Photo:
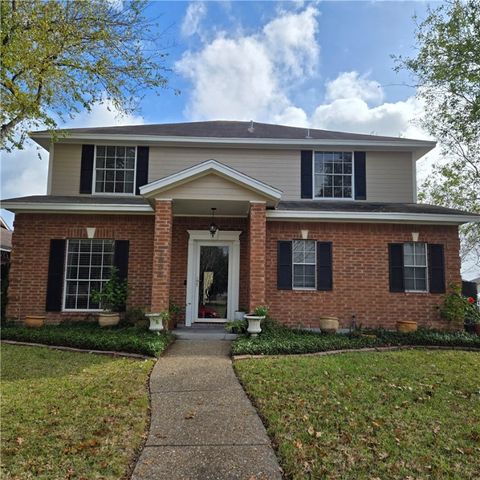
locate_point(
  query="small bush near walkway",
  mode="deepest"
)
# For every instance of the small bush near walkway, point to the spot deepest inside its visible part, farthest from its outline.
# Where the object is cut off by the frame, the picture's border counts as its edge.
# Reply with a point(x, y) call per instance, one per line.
point(279, 340)
point(91, 336)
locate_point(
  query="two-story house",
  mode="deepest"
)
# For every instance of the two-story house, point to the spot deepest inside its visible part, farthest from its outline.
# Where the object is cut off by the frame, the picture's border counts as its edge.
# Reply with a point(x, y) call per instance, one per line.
point(221, 215)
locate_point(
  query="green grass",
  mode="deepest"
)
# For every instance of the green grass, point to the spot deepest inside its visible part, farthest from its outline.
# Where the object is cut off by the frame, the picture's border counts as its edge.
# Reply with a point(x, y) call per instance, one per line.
point(278, 340)
point(391, 415)
point(91, 336)
point(71, 415)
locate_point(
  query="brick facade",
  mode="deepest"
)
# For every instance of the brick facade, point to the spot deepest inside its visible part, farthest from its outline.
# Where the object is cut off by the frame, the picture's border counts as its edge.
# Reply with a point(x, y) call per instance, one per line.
point(360, 275)
point(360, 265)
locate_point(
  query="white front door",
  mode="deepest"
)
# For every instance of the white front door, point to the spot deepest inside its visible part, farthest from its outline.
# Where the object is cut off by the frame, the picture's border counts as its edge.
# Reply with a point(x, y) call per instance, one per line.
point(212, 277)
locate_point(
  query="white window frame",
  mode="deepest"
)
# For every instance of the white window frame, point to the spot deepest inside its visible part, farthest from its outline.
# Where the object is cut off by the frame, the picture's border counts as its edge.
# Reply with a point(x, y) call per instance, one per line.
point(427, 286)
point(94, 176)
point(315, 197)
point(294, 263)
point(64, 299)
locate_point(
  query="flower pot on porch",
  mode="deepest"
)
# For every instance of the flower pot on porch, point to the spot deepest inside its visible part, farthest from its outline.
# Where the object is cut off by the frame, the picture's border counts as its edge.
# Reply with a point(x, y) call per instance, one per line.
point(254, 322)
point(108, 319)
point(406, 326)
point(156, 322)
point(328, 324)
point(34, 321)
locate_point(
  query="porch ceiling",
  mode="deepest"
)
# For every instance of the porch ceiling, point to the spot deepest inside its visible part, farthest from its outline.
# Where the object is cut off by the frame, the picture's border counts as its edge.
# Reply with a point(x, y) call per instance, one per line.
point(224, 208)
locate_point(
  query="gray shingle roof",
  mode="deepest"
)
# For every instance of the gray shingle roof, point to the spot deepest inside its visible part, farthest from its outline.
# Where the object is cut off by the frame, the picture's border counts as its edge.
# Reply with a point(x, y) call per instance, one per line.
point(79, 199)
point(367, 207)
point(228, 129)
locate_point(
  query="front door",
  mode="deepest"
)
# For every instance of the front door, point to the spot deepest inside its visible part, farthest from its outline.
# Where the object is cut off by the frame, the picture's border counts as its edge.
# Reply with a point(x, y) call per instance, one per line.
point(213, 288)
point(212, 276)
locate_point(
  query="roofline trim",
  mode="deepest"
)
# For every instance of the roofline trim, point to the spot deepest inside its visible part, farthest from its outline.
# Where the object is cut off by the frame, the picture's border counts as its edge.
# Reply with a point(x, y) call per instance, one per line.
point(242, 141)
point(389, 217)
point(76, 207)
point(212, 166)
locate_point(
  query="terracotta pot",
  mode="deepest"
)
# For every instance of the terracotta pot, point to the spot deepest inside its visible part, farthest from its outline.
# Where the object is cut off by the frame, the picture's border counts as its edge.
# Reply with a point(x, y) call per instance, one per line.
point(34, 321)
point(108, 319)
point(406, 326)
point(477, 328)
point(328, 324)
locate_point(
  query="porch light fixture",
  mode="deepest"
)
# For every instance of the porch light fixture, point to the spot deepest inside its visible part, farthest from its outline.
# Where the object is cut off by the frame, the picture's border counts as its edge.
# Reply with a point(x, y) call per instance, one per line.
point(90, 232)
point(415, 236)
point(304, 234)
point(213, 228)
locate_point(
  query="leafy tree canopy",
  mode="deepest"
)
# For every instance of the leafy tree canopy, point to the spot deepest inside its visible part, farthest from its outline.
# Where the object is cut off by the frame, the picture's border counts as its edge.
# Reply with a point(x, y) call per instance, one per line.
point(60, 57)
point(447, 72)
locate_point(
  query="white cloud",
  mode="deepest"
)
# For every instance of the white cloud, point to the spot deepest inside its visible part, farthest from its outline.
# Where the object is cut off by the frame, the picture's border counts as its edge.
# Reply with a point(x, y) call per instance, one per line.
point(194, 15)
point(24, 173)
point(351, 85)
point(248, 77)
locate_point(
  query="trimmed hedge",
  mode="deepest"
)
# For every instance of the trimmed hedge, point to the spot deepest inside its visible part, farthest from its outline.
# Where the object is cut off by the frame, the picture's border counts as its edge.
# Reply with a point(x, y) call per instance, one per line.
point(91, 336)
point(278, 340)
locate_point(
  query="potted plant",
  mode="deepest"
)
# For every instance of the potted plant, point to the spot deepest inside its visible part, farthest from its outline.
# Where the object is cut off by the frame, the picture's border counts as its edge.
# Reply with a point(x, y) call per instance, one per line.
point(158, 320)
point(111, 298)
point(328, 324)
point(254, 320)
point(406, 326)
point(460, 311)
point(34, 321)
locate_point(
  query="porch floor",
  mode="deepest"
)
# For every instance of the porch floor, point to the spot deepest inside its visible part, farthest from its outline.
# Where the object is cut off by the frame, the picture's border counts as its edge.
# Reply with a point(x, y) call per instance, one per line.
point(203, 332)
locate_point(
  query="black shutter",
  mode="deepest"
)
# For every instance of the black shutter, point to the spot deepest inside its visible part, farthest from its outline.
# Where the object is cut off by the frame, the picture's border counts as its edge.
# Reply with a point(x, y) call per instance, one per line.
point(284, 265)
point(360, 176)
point(324, 266)
point(395, 258)
point(142, 168)
point(86, 168)
point(56, 264)
point(120, 258)
point(436, 268)
point(306, 174)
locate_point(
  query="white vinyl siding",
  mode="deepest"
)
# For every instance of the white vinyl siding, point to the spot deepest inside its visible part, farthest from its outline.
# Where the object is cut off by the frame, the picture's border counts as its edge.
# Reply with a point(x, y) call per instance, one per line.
point(88, 267)
point(304, 263)
point(415, 267)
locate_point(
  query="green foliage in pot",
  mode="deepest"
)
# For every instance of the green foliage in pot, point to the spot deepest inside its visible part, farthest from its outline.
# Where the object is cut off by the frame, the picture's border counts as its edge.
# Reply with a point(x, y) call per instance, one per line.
point(236, 326)
point(113, 296)
point(261, 311)
point(458, 309)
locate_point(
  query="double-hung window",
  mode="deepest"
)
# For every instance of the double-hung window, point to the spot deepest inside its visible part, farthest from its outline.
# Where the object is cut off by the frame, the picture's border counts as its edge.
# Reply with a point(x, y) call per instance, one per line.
point(88, 267)
point(415, 267)
point(115, 169)
point(333, 175)
point(304, 263)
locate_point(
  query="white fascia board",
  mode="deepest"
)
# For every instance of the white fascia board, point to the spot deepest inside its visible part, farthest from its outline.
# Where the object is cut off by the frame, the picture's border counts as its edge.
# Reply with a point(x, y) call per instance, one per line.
point(75, 207)
point(212, 166)
point(271, 142)
point(381, 217)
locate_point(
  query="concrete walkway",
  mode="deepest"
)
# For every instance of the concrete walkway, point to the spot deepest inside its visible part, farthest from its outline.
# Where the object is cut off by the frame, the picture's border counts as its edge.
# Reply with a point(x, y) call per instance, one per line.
point(203, 425)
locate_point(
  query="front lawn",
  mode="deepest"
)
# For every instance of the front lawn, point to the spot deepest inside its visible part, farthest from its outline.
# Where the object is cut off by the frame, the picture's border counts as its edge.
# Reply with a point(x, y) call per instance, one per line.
point(279, 340)
point(71, 415)
point(371, 415)
point(91, 336)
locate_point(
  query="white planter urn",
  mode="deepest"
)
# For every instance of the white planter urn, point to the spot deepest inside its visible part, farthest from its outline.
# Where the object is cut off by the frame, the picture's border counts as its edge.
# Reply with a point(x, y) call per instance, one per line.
point(254, 327)
point(156, 322)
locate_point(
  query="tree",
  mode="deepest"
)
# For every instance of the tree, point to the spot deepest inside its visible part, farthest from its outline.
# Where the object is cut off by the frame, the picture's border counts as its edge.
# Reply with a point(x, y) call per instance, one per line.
point(60, 57)
point(447, 73)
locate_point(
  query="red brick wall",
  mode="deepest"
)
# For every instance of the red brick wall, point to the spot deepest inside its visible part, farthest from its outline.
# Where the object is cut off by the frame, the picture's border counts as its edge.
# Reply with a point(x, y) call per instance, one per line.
point(178, 289)
point(256, 255)
point(31, 247)
point(162, 255)
point(360, 275)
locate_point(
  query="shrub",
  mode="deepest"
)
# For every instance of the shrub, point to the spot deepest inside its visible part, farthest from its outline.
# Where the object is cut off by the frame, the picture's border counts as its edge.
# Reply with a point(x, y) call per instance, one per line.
point(113, 295)
point(277, 340)
point(135, 316)
point(236, 326)
point(88, 336)
point(458, 309)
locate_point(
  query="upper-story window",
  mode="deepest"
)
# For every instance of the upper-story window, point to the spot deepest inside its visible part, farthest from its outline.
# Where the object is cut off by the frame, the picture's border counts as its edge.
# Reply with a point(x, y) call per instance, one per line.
point(115, 169)
point(333, 175)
